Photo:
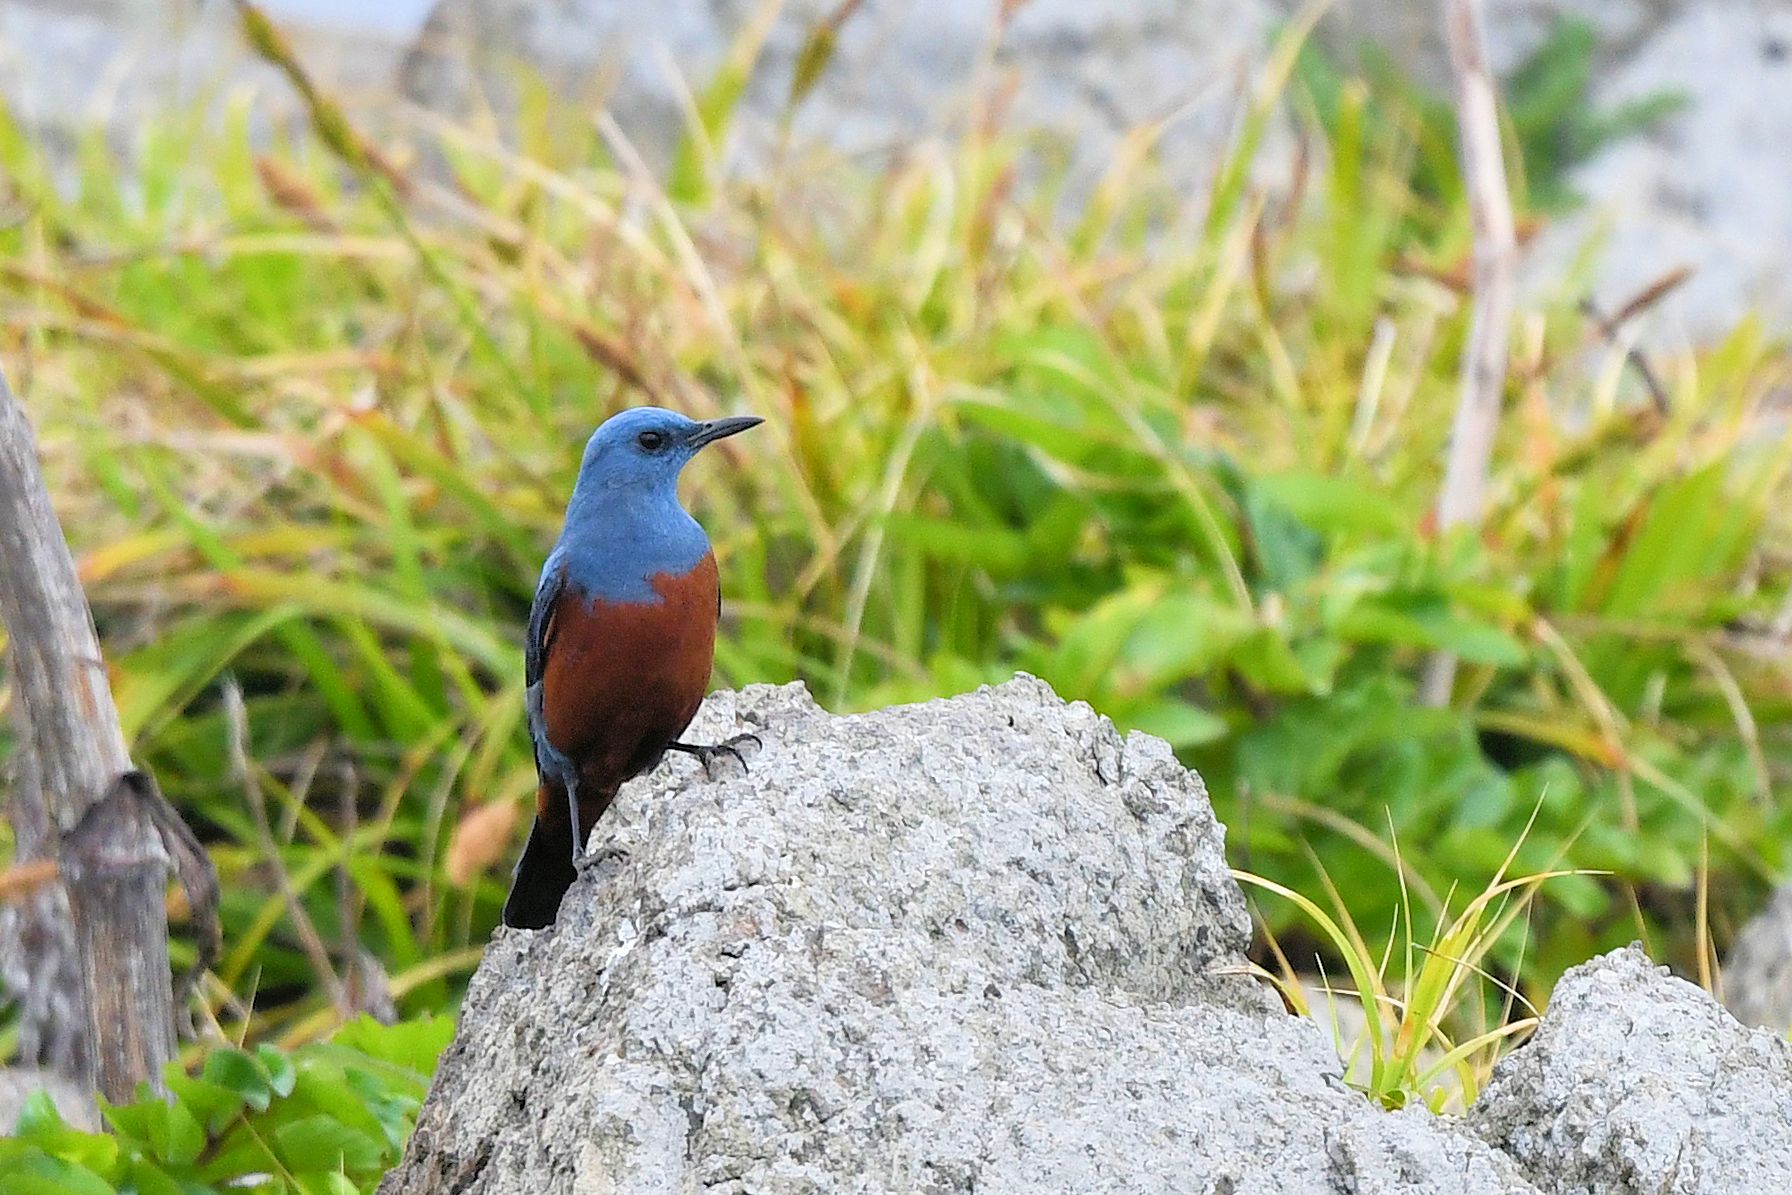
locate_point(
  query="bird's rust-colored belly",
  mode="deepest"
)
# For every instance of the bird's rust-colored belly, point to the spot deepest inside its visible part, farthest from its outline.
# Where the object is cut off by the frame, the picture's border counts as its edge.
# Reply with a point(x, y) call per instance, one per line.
point(623, 679)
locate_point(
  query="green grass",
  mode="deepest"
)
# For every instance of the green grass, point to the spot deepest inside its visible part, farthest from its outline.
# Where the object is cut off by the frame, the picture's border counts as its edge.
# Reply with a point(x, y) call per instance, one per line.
point(312, 430)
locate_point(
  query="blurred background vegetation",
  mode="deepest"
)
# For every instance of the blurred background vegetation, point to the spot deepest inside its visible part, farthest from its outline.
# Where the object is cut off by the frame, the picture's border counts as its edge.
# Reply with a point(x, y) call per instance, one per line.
point(311, 412)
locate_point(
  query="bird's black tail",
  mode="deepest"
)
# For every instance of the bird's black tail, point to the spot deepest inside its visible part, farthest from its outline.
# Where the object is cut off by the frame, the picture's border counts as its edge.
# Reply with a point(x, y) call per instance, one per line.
point(543, 875)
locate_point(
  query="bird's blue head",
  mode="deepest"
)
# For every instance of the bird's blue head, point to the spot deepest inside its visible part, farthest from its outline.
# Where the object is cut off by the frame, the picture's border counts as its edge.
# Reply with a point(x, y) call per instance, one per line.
point(645, 448)
point(624, 523)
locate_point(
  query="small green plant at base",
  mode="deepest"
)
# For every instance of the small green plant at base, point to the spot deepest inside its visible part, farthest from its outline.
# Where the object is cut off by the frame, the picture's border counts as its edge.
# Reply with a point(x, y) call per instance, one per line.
point(327, 1119)
point(1426, 1036)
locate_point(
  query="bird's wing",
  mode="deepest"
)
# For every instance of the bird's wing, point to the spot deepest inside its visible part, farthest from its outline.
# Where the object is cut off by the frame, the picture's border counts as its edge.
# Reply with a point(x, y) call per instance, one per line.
point(541, 621)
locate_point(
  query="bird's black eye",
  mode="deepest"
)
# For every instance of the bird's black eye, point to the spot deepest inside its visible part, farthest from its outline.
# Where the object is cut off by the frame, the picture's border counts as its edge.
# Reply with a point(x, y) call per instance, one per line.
point(651, 441)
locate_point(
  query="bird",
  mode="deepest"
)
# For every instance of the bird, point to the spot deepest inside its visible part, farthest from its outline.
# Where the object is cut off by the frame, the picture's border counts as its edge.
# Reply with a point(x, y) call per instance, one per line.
point(620, 641)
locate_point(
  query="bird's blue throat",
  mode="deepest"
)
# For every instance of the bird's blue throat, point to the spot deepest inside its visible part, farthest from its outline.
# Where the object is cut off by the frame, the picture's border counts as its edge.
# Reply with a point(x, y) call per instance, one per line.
point(617, 540)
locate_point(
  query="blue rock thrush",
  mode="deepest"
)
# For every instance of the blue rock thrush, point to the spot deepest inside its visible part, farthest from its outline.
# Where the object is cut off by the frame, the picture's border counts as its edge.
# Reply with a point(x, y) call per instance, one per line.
point(621, 640)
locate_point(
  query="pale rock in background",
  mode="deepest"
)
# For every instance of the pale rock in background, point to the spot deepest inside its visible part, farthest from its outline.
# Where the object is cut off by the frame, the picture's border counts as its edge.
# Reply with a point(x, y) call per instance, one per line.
point(1712, 189)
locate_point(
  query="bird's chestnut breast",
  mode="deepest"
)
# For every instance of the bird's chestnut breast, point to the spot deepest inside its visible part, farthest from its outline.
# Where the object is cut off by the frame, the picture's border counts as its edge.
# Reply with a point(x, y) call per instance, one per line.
point(622, 679)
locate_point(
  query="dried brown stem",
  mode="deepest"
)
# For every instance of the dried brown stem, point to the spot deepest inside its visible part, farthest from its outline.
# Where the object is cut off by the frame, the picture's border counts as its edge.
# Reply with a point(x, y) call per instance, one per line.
point(236, 721)
point(1484, 358)
point(1608, 331)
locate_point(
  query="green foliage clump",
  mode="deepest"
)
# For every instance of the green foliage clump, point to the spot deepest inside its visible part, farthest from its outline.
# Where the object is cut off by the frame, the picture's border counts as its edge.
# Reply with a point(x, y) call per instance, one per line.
point(327, 1119)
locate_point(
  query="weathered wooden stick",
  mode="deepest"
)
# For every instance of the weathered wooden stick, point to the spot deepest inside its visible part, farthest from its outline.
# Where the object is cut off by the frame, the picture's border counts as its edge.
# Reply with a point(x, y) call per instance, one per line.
point(114, 866)
point(116, 873)
point(1496, 246)
point(40, 964)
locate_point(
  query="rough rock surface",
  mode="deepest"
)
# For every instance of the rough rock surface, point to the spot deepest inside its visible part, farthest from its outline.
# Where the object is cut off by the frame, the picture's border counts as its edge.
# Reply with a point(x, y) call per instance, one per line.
point(1758, 974)
point(1637, 1082)
point(978, 944)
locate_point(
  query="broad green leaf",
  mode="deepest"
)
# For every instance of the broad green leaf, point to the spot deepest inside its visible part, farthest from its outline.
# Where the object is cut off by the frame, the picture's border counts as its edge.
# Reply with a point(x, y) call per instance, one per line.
point(213, 1103)
point(998, 550)
point(175, 1135)
point(1069, 443)
point(1181, 635)
point(320, 1143)
point(41, 1125)
point(1179, 723)
point(146, 1178)
point(1430, 624)
point(1331, 504)
point(281, 1075)
point(415, 1044)
point(242, 1073)
point(41, 1174)
point(1269, 663)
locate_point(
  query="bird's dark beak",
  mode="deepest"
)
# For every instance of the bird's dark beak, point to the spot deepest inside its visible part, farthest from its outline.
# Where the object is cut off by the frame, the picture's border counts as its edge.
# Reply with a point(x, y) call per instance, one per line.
point(718, 429)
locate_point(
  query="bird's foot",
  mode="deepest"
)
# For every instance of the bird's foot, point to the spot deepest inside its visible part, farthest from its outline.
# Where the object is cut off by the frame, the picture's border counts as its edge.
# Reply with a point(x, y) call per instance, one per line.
point(709, 755)
point(586, 861)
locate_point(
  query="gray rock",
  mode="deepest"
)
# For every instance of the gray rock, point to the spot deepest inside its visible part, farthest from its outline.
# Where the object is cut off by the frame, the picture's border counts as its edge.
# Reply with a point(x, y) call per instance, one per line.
point(1413, 34)
point(978, 944)
point(68, 66)
point(1639, 1082)
point(1758, 974)
point(1712, 189)
point(1085, 72)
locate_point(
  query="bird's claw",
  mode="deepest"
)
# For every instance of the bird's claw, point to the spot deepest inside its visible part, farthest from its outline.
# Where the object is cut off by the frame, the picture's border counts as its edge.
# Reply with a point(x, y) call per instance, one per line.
point(586, 861)
point(732, 746)
point(708, 754)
